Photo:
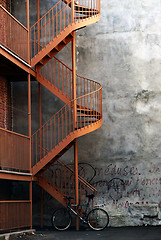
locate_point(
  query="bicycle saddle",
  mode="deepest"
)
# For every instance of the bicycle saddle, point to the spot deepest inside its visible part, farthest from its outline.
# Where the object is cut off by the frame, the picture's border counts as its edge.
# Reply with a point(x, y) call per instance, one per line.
point(69, 198)
point(91, 196)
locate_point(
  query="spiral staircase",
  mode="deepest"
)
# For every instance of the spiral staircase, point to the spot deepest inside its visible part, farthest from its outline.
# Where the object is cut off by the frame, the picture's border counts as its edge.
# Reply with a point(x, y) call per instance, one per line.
point(80, 115)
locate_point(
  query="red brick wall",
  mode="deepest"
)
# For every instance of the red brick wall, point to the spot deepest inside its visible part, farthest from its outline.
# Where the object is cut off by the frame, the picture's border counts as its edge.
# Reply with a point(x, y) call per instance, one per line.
point(3, 21)
point(5, 116)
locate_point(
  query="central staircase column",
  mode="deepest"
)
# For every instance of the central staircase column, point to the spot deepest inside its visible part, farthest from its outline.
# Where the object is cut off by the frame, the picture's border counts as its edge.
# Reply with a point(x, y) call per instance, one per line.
point(75, 115)
point(29, 133)
point(76, 179)
point(75, 126)
point(74, 82)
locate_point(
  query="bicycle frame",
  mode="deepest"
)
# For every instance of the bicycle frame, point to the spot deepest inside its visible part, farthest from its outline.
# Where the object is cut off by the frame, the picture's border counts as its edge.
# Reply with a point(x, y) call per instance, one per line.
point(73, 205)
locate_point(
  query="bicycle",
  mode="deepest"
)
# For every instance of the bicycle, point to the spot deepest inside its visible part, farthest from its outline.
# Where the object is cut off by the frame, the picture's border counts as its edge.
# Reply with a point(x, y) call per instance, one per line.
point(96, 218)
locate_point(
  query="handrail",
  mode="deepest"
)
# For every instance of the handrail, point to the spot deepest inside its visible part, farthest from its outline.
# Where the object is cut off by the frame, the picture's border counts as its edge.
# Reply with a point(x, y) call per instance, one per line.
point(53, 132)
point(59, 126)
point(49, 120)
point(18, 134)
point(62, 178)
point(16, 201)
point(60, 75)
point(57, 19)
point(79, 177)
point(61, 19)
point(70, 103)
point(49, 26)
point(89, 92)
point(45, 14)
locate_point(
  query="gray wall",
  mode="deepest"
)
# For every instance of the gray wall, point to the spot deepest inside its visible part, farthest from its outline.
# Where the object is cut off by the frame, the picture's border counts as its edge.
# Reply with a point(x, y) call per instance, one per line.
point(123, 157)
point(123, 53)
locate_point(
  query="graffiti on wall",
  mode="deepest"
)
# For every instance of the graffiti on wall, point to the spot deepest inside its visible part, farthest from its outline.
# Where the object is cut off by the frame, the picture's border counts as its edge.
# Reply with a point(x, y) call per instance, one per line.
point(120, 186)
point(125, 185)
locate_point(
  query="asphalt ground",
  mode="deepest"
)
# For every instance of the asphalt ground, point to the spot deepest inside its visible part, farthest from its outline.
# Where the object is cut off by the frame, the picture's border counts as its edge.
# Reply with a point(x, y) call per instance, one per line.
point(123, 233)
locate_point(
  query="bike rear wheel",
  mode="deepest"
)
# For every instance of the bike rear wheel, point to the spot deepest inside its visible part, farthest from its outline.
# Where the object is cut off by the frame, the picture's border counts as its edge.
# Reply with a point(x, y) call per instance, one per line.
point(98, 219)
point(61, 219)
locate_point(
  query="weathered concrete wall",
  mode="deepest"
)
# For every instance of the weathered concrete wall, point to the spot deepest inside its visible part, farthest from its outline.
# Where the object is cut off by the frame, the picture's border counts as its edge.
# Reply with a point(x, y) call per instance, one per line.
point(123, 53)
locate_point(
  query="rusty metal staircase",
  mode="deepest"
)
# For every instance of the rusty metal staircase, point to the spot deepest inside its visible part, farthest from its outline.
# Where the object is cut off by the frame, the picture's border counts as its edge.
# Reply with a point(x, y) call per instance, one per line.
point(58, 180)
point(81, 114)
point(59, 131)
point(52, 32)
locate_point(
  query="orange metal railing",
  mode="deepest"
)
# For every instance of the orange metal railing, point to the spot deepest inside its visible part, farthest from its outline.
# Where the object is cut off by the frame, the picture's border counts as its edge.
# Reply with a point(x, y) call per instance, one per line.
point(89, 93)
point(60, 75)
point(13, 34)
point(57, 128)
point(14, 151)
point(90, 4)
point(59, 17)
point(86, 8)
point(49, 26)
point(14, 214)
point(51, 133)
point(62, 178)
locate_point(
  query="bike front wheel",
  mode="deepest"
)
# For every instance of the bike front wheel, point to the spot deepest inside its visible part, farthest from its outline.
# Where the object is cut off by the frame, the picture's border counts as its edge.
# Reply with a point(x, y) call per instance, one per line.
point(61, 219)
point(98, 219)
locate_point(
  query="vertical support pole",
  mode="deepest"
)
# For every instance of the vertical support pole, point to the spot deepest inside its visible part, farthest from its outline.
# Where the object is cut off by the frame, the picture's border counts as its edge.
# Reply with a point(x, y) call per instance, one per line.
point(40, 118)
point(76, 179)
point(38, 11)
point(75, 114)
point(74, 82)
point(29, 114)
point(42, 209)
point(30, 204)
point(40, 124)
point(29, 132)
point(28, 34)
point(38, 25)
point(101, 104)
point(72, 10)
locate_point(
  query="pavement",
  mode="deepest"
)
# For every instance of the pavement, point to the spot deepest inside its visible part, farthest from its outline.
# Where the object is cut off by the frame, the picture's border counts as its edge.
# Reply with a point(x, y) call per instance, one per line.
point(123, 233)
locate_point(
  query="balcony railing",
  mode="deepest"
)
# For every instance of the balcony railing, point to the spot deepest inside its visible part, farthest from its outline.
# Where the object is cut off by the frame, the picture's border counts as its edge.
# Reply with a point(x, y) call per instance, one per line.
point(14, 214)
point(14, 151)
point(49, 26)
point(13, 35)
